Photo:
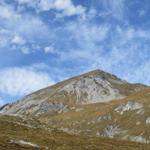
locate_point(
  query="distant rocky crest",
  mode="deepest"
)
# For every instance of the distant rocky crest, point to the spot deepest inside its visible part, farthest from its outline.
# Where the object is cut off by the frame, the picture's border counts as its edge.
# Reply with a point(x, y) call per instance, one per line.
point(92, 87)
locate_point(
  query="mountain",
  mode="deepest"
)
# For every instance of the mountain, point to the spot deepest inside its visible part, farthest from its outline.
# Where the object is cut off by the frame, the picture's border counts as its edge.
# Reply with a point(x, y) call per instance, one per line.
point(96, 108)
point(93, 87)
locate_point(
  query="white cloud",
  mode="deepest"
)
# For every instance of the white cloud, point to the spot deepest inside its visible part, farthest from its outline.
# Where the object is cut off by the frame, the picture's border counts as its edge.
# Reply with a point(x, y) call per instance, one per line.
point(25, 50)
point(88, 33)
point(66, 6)
point(140, 74)
point(5, 36)
point(21, 81)
point(18, 40)
point(115, 8)
point(24, 1)
point(31, 29)
point(130, 34)
point(91, 14)
point(119, 50)
point(88, 38)
point(20, 31)
point(7, 12)
point(49, 49)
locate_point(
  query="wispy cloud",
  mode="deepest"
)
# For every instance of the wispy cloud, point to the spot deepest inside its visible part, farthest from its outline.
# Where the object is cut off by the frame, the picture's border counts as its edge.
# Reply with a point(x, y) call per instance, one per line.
point(64, 7)
point(20, 81)
point(113, 8)
point(113, 49)
point(18, 40)
point(7, 12)
point(2, 102)
point(21, 31)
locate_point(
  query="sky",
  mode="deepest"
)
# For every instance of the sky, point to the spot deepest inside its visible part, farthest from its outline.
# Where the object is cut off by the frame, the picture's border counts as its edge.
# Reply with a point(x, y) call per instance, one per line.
point(46, 41)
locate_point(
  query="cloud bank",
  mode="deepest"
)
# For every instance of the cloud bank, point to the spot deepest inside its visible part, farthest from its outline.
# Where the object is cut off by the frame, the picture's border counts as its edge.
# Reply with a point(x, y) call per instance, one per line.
point(22, 81)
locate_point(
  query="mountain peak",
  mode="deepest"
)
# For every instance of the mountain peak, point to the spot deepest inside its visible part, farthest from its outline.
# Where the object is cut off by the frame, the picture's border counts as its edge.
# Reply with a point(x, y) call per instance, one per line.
point(92, 87)
point(96, 71)
point(102, 74)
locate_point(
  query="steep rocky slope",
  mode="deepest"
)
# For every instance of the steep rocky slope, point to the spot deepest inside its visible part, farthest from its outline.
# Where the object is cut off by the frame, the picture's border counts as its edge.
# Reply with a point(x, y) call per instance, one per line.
point(92, 87)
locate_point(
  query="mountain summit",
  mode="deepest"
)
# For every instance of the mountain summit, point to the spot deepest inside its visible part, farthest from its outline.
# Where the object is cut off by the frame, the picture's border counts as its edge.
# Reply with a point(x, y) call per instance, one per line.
point(92, 87)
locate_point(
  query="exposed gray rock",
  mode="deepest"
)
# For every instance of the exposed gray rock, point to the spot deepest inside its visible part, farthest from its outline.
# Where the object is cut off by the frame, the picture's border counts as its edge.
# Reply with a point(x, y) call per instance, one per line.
point(46, 107)
point(112, 130)
point(27, 107)
point(140, 111)
point(105, 117)
point(92, 89)
point(129, 106)
point(25, 143)
point(148, 120)
point(138, 138)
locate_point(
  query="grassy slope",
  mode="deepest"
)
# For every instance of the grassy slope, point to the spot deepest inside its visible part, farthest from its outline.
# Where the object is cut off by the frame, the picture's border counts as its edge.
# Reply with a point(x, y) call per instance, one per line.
point(15, 128)
point(85, 121)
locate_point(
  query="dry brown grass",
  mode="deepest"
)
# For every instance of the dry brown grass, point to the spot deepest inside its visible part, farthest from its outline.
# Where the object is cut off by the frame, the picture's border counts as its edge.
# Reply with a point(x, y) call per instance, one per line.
point(82, 121)
point(54, 139)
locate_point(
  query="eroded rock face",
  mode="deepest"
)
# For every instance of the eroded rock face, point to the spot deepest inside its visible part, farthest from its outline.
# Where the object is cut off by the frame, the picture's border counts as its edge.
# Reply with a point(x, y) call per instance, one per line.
point(129, 106)
point(92, 89)
point(36, 108)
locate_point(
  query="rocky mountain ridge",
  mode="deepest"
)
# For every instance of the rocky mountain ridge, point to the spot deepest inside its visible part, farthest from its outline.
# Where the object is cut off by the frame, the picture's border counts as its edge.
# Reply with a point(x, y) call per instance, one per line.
point(93, 87)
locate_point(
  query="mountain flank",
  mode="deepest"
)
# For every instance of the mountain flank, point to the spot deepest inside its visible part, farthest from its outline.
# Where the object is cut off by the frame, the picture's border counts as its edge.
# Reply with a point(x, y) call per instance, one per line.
point(84, 112)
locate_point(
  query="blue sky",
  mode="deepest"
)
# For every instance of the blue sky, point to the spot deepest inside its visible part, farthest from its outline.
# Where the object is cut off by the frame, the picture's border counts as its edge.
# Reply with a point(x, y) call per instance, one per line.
point(46, 41)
